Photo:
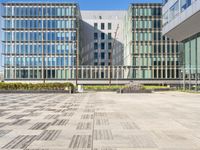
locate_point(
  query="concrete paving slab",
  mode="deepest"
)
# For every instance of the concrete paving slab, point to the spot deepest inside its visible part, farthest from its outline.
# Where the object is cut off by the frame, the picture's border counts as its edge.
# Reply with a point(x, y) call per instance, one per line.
point(100, 121)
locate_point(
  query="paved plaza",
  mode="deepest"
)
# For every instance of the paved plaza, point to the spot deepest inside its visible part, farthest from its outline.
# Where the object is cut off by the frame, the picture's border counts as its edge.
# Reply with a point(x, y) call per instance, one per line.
point(100, 121)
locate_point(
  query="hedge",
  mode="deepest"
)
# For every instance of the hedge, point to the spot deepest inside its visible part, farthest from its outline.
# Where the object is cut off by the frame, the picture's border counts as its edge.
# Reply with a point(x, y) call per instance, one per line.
point(37, 86)
point(103, 87)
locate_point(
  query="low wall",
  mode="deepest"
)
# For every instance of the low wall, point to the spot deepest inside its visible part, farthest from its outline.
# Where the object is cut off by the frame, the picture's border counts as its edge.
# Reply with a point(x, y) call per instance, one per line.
point(113, 82)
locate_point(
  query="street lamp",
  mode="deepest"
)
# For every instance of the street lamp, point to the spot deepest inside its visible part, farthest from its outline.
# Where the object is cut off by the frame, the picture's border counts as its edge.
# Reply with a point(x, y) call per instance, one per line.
point(183, 73)
point(111, 53)
point(43, 59)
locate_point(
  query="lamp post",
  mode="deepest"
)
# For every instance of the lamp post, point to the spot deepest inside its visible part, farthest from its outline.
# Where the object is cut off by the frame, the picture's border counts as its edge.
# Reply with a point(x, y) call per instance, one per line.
point(77, 47)
point(111, 53)
point(77, 59)
point(183, 72)
point(43, 59)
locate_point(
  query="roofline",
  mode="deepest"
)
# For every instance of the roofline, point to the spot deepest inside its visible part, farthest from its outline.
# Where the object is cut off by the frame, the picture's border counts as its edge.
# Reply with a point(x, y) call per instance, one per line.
point(143, 3)
point(104, 10)
point(34, 3)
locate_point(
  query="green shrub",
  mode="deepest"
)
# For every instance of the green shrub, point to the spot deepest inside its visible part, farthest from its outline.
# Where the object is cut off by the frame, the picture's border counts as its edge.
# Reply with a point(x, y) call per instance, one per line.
point(151, 87)
point(103, 87)
point(37, 86)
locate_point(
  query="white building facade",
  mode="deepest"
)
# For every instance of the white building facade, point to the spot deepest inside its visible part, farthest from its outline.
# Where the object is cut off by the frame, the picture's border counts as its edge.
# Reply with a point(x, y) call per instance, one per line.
point(181, 21)
point(98, 40)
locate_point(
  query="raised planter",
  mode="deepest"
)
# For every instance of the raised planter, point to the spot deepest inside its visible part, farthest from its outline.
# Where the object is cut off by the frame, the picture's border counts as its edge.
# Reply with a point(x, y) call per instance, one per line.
point(134, 88)
point(35, 91)
point(163, 89)
point(133, 91)
point(36, 88)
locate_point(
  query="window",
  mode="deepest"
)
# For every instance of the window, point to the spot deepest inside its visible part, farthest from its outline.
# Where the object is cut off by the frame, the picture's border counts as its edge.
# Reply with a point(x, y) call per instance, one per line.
point(155, 24)
point(102, 36)
point(109, 55)
point(109, 26)
point(95, 55)
point(109, 45)
point(102, 45)
point(146, 36)
point(95, 36)
point(95, 25)
point(136, 24)
point(102, 55)
point(150, 24)
point(185, 4)
point(174, 10)
point(95, 46)
point(155, 36)
point(141, 11)
point(109, 36)
point(141, 24)
point(8, 24)
point(8, 11)
point(136, 36)
point(149, 12)
point(136, 12)
point(102, 26)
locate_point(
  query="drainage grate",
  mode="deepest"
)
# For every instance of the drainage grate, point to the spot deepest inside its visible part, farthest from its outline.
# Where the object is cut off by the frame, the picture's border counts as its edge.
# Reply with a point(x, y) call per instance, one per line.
point(20, 122)
point(68, 114)
point(87, 116)
point(16, 117)
point(20, 142)
point(101, 122)
point(49, 135)
point(81, 141)
point(84, 126)
point(40, 126)
point(129, 125)
point(142, 141)
point(103, 135)
point(52, 117)
point(62, 122)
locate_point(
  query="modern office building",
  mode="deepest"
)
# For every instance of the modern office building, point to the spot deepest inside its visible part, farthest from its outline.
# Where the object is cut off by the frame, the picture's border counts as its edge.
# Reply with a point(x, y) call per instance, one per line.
point(54, 41)
point(181, 21)
point(152, 55)
point(40, 40)
point(99, 41)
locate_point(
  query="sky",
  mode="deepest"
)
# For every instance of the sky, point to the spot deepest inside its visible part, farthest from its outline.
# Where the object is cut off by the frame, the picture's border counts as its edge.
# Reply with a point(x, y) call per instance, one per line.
point(97, 4)
point(109, 4)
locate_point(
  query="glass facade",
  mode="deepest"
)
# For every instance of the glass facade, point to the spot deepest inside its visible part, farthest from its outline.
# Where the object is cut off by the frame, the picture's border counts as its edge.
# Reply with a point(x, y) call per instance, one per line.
point(40, 40)
point(152, 55)
point(191, 63)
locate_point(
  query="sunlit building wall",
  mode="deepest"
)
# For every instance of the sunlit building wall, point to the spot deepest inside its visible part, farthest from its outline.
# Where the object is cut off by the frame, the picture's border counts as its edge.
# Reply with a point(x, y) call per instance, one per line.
point(40, 40)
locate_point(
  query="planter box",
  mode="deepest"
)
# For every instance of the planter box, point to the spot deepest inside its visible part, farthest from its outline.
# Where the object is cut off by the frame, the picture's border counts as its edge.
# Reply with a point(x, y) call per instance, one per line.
point(133, 91)
point(35, 91)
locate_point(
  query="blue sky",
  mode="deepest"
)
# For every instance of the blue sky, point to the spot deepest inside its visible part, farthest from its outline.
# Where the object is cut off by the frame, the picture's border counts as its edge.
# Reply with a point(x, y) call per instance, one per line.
point(98, 4)
point(109, 4)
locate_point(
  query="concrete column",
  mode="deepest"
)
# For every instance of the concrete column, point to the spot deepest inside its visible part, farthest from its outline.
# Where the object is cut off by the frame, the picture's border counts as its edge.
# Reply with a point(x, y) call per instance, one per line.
point(99, 72)
point(104, 70)
point(91, 69)
point(95, 72)
point(82, 72)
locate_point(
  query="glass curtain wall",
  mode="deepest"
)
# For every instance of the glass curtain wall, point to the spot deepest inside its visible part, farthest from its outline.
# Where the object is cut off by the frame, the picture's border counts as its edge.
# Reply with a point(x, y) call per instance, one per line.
point(153, 56)
point(39, 40)
point(191, 58)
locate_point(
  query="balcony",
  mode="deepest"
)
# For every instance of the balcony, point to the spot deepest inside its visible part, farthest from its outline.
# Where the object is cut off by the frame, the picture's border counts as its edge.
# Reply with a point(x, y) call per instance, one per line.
point(181, 21)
